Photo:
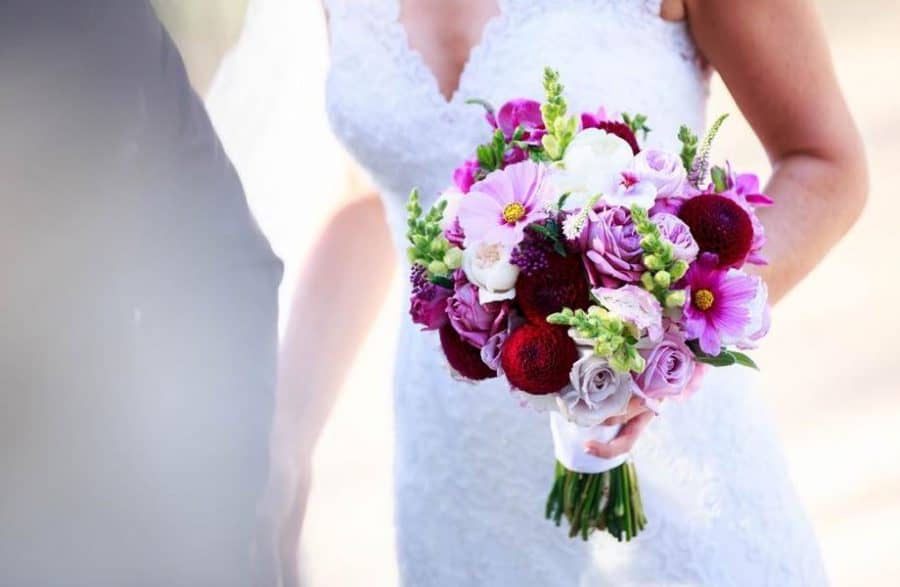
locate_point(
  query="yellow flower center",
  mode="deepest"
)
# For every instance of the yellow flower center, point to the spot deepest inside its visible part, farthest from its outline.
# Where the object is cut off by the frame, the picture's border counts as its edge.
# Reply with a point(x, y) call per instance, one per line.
point(513, 212)
point(703, 299)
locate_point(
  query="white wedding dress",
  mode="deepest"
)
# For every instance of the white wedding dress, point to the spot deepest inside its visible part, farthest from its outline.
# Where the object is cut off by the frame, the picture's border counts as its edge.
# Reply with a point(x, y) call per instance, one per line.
point(472, 467)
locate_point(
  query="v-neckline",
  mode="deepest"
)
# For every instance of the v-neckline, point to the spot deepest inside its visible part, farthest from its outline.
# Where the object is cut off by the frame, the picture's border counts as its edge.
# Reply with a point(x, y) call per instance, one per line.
point(419, 61)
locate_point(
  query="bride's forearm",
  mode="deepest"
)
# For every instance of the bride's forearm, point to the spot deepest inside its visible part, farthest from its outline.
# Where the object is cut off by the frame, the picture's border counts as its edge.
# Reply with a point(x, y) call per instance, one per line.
point(817, 200)
point(337, 298)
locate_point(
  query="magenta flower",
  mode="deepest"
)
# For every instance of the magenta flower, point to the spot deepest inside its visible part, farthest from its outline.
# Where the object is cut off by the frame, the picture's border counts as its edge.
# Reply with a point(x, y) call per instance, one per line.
point(476, 323)
point(520, 113)
point(498, 208)
point(718, 310)
point(464, 175)
point(428, 302)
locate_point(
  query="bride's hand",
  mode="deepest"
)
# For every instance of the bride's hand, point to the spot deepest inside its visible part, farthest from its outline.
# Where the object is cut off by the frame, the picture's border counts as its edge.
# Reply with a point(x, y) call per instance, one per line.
point(636, 417)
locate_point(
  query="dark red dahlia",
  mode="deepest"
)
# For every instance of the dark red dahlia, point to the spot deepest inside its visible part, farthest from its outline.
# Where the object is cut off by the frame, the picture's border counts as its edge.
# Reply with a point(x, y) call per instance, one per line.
point(620, 129)
point(464, 357)
point(561, 284)
point(537, 358)
point(720, 226)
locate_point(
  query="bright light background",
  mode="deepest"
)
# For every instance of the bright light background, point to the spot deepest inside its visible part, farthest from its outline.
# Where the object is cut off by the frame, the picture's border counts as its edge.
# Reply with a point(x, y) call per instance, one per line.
point(828, 365)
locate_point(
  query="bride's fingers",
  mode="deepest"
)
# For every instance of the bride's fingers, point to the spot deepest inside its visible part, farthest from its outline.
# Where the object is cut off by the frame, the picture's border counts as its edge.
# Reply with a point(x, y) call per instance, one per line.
point(622, 443)
point(636, 407)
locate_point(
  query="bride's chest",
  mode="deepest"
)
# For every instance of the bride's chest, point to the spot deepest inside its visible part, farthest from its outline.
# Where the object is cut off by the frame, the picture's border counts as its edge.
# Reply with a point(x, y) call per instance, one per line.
point(386, 106)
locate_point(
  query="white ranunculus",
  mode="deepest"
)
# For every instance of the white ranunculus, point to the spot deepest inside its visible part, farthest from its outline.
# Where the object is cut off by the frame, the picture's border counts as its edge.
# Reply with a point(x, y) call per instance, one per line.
point(593, 164)
point(453, 197)
point(597, 391)
point(487, 266)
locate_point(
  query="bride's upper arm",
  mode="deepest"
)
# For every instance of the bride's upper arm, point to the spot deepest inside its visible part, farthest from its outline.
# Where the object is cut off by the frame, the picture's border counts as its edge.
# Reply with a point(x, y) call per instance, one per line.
point(774, 59)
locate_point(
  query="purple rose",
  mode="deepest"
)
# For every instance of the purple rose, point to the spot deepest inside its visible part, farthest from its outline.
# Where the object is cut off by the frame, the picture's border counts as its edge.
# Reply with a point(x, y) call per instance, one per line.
point(476, 323)
point(612, 248)
point(673, 229)
point(663, 170)
point(524, 113)
point(669, 368)
point(428, 305)
point(464, 175)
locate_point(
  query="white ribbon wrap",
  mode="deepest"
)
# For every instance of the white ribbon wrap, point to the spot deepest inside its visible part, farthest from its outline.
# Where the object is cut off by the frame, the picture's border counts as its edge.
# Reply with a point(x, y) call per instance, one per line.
point(568, 444)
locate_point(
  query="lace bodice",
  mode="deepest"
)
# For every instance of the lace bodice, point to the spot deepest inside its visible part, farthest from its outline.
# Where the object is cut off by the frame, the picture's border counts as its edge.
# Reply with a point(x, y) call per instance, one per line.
point(385, 105)
point(472, 470)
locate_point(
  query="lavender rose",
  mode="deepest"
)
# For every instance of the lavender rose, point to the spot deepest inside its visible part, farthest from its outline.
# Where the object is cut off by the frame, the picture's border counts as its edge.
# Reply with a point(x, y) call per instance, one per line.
point(670, 367)
point(597, 392)
point(663, 170)
point(476, 323)
point(673, 229)
point(612, 248)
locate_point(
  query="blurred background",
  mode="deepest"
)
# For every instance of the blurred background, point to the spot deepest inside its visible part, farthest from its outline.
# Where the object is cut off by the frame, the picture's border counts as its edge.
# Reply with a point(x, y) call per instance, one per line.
point(828, 365)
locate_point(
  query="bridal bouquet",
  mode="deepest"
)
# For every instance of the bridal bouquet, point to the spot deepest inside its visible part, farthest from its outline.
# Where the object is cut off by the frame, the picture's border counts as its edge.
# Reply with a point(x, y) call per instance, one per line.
point(586, 270)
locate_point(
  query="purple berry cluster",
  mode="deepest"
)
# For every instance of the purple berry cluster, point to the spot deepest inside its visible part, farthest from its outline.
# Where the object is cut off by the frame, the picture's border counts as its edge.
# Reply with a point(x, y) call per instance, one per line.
point(531, 255)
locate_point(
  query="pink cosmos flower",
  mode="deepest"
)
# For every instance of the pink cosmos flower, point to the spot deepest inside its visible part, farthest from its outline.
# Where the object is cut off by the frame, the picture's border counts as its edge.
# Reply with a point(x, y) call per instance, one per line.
point(718, 310)
point(498, 208)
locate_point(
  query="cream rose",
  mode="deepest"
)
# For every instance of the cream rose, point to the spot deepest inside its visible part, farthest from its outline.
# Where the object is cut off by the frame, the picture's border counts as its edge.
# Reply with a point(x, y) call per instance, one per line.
point(487, 266)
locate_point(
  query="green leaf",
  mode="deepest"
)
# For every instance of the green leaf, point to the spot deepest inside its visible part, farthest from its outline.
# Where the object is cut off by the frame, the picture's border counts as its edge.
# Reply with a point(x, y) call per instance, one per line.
point(719, 179)
point(442, 281)
point(486, 157)
point(744, 360)
point(723, 359)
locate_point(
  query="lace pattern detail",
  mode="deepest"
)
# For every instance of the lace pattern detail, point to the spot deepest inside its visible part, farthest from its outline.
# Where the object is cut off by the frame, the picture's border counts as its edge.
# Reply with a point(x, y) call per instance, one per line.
point(471, 470)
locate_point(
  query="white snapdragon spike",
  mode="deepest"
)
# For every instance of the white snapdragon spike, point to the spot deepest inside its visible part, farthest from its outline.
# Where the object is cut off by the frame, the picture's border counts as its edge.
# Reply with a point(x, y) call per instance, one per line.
point(453, 197)
point(592, 165)
point(487, 266)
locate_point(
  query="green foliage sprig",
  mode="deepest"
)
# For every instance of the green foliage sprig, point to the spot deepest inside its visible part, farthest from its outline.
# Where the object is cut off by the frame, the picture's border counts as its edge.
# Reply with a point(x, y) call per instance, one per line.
point(637, 123)
point(725, 358)
point(689, 142)
point(561, 128)
point(663, 268)
point(697, 172)
point(428, 247)
point(614, 339)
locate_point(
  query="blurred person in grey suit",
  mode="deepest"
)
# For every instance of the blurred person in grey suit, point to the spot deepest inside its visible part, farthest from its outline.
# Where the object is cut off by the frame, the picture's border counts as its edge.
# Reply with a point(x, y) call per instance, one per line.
point(137, 313)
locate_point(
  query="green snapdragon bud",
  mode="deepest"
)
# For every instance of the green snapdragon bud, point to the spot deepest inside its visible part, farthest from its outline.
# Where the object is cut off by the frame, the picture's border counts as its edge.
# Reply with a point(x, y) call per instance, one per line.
point(647, 281)
point(663, 279)
point(678, 269)
point(453, 258)
point(676, 299)
point(438, 268)
point(653, 263)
